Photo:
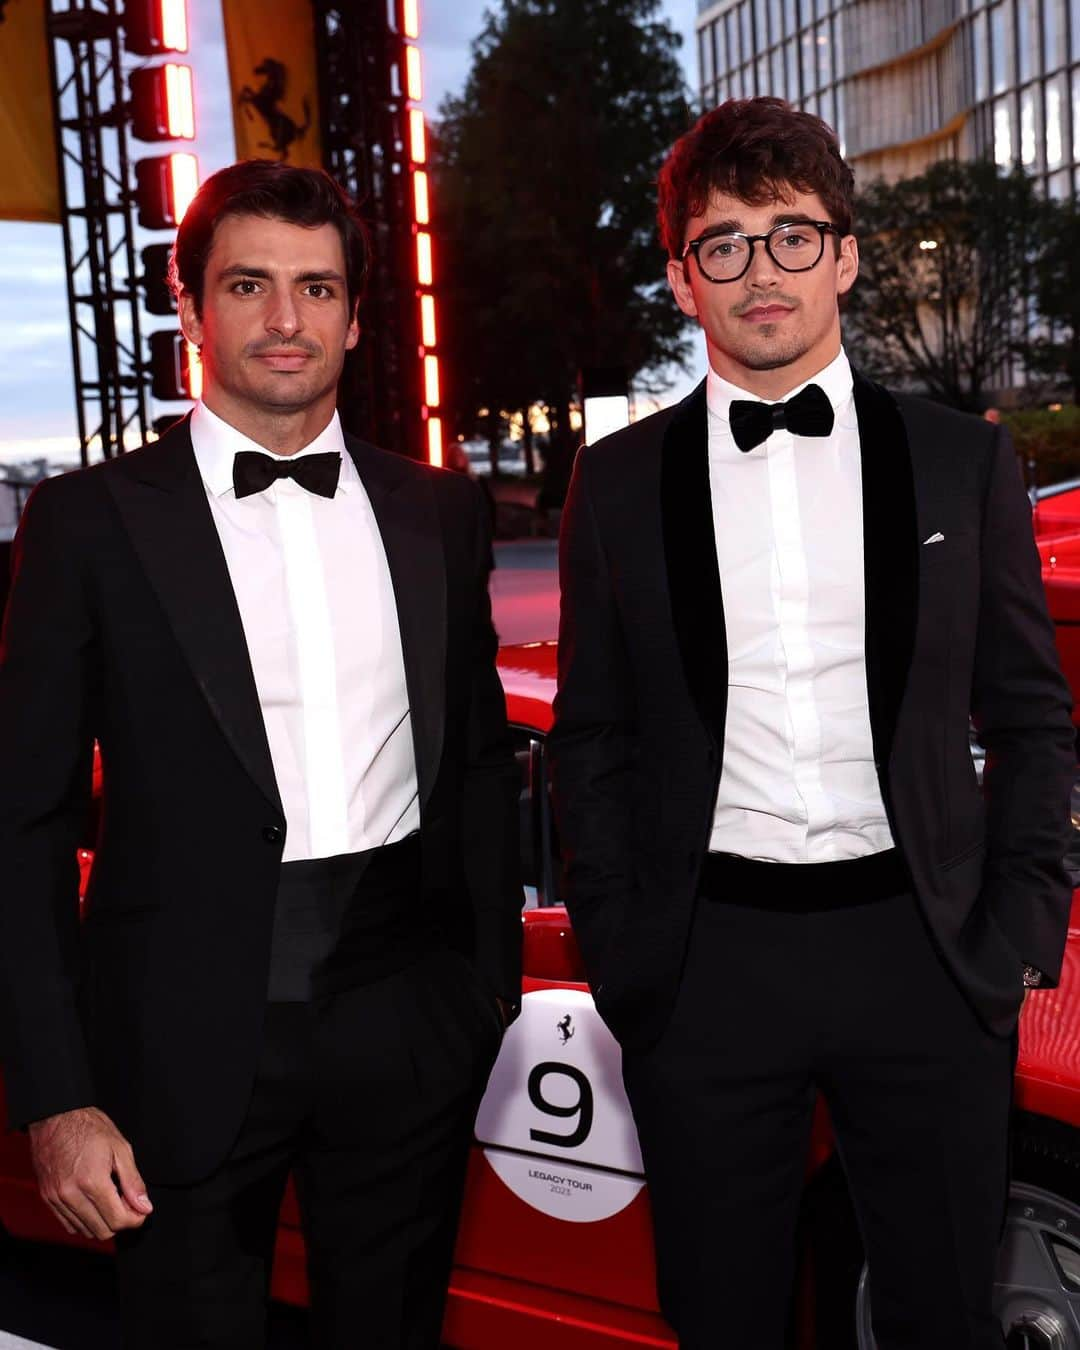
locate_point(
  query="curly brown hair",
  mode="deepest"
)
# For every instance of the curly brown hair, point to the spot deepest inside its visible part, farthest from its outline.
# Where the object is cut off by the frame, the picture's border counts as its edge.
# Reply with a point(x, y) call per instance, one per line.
point(754, 149)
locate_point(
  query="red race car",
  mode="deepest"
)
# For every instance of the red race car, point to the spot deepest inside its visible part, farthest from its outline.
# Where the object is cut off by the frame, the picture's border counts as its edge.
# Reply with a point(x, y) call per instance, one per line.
point(554, 1251)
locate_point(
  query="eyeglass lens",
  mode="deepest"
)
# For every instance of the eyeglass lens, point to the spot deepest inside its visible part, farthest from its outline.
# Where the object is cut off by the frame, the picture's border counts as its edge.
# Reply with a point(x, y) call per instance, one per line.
point(795, 248)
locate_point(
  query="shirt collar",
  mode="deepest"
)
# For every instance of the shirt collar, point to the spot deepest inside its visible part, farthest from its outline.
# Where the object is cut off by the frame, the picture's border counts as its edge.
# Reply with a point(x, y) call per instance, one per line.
point(216, 443)
point(835, 380)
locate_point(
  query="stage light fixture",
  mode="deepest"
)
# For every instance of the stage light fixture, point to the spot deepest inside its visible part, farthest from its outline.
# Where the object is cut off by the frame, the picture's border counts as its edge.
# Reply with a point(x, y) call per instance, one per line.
point(153, 27)
point(175, 368)
point(163, 103)
point(157, 297)
point(164, 187)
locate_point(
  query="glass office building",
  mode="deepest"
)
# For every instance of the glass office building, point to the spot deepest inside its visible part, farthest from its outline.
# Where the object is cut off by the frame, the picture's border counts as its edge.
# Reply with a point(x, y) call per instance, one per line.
point(906, 82)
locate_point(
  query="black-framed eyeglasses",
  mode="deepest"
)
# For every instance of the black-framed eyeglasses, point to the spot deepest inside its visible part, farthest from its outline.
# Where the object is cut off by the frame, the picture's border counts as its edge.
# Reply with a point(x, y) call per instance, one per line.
point(794, 245)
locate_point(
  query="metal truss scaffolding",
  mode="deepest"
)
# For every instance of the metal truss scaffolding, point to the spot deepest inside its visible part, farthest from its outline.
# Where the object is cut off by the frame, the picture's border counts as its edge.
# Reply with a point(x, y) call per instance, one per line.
point(111, 376)
point(361, 56)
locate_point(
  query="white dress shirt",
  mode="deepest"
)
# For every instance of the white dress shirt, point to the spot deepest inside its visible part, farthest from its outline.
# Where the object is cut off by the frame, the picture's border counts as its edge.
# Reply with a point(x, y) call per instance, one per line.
point(317, 604)
point(798, 782)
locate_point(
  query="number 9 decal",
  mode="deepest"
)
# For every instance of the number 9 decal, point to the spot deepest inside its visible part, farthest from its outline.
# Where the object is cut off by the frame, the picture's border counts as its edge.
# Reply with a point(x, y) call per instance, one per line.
point(582, 1108)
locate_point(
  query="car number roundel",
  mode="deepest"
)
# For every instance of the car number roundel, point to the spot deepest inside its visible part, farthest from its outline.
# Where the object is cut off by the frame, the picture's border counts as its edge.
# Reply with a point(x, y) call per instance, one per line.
point(554, 1123)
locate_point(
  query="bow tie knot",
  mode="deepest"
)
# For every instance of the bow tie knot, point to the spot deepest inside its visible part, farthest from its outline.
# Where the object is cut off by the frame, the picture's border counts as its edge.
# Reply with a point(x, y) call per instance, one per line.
point(809, 413)
point(253, 472)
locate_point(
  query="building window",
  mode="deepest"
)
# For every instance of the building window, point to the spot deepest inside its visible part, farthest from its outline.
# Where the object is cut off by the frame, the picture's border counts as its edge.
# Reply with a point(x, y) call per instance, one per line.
point(1053, 35)
point(1055, 122)
point(979, 61)
point(1000, 47)
point(746, 26)
point(1074, 29)
point(1076, 113)
point(791, 15)
point(809, 60)
point(821, 41)
point(705, 54)
point(1003, 133)
point(839, 121)
point(777, 77)
point(791, 61)
point(763, 81)
point(1027, 38)
point(827, 108)
point(720, 40)
point(1029, 129)
point(731, 31)
point(1060, 185)
point(761, 32)
point(776, 20)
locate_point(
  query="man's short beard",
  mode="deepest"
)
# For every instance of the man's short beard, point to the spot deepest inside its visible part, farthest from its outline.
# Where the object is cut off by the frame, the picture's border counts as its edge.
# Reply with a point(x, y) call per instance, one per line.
point(773, 360)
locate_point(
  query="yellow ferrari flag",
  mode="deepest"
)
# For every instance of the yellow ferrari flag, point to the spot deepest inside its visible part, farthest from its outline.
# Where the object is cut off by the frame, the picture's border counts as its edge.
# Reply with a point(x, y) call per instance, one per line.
point(274, 79)
point(29, 188)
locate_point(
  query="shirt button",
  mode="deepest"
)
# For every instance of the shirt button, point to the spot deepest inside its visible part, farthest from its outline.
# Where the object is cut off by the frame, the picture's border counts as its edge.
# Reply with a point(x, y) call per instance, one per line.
point(272, 834)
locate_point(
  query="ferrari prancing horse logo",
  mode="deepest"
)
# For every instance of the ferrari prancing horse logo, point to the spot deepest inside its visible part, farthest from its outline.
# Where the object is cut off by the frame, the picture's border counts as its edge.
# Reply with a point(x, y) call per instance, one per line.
point(266, 100)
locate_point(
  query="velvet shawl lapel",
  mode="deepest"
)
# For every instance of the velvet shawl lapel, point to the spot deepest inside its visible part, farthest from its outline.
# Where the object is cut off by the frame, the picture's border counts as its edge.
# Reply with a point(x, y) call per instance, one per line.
point(697, 604)
point(890, 560)
point(889, 551)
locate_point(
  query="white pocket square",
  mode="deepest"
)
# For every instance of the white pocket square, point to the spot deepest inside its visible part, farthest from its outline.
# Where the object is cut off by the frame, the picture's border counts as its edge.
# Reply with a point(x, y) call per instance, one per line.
point(937, 538)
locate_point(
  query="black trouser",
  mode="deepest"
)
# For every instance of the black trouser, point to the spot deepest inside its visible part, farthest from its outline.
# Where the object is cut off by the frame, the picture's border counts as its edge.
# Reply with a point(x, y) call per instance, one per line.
point(855, 1003)
point(368, 1095)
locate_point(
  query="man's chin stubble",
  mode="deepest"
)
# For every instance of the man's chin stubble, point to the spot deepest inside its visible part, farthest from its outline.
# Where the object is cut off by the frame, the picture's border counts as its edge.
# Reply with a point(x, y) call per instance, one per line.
point(770, 360)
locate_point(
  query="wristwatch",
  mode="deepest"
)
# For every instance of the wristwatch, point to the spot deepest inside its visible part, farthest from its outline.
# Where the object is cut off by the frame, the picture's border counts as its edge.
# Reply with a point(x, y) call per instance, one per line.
point(1033, 977)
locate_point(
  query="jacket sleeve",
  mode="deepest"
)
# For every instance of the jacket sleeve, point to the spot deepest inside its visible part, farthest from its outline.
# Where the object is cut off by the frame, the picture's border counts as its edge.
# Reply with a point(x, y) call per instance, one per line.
point(594, 740)
point(490, 798)
point(46, 749)
point(1022, 709)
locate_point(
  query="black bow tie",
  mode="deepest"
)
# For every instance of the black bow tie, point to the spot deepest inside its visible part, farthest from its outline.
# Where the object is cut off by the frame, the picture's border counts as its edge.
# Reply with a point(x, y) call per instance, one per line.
point(809, 413)
point(253, 472)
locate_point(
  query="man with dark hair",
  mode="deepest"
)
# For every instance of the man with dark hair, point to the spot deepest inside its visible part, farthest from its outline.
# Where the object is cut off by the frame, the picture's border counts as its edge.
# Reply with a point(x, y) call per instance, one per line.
point(782, 599)
point(302, 930)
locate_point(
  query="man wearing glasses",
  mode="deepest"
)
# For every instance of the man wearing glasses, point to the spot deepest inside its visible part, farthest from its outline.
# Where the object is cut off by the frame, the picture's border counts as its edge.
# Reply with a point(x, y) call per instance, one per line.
point(782, 599)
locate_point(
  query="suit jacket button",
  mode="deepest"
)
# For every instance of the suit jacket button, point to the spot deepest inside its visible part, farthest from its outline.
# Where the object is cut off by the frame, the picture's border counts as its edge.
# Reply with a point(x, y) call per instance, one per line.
point(272, 834)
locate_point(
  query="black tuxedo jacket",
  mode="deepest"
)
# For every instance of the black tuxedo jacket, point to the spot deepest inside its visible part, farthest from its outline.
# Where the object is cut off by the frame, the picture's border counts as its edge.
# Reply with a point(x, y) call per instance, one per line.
point(955, 627)
point(122, 627)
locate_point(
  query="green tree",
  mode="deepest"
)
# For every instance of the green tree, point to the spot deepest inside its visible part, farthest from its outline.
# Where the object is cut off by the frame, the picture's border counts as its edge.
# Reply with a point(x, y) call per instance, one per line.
point(546, 195)
point(1056, 352)
point(943, 300)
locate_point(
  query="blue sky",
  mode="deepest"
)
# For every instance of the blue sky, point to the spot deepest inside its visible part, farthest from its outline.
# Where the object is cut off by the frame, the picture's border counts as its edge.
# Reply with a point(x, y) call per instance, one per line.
point(36, 392)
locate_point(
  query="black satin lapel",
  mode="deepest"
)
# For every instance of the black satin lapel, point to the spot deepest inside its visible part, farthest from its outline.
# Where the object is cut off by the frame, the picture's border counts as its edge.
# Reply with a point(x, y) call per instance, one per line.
point(162, 502)
point(697, 605)
point(408, 520)
point(890, 558)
